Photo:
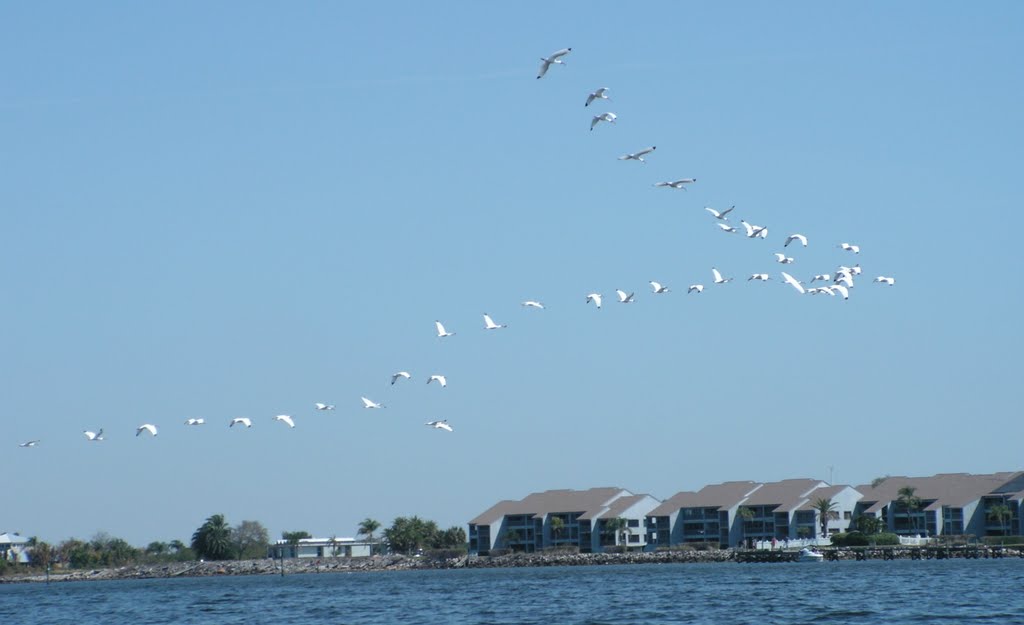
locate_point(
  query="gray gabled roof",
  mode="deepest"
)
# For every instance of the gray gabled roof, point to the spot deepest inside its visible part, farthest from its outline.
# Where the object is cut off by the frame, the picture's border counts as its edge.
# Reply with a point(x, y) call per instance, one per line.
point(945, 489)
point(785, 495)
point(827, 492)
point(591, 501)
point(718, 496)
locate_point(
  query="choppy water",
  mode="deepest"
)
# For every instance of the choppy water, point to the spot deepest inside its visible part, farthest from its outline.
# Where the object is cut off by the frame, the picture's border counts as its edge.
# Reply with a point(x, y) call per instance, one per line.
point(946, 591)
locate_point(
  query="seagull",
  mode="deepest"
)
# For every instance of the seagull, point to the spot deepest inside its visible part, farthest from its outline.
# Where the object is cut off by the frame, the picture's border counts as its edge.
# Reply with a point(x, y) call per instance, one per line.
point(856, 270)
point(727, 228)
point(28, 444)
point(850, 248)
point(759, 276)
point(658, 288)
point(246, 421)
point(368, 403)
point(596, 298)
point(600, 94)
point(399, 374)
point(793, 282)
point(695, 287)
point(603, 117)
point(623, 298)
point(94, 436)
point(320, 406)
point(719, 215)
point(755, 231)
point(846, 278)
point(554, 59)
point(443, 381)
point(886, 279)
point(532, 304)
point(638, 156)
point(842, 290)
point(283, 418)
point(795, 237)
point(822, 276)
point(718, 277)
point(195, 421)
point(441, 332)
point(490, 325)
point(782, 258)
point(440, 425)
point(676, 184)
point(146, 427)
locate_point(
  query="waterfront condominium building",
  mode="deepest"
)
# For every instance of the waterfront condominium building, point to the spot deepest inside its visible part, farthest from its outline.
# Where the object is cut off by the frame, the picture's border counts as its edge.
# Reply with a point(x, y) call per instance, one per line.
point(947, 503)
point(732, 513)
point(585, 519)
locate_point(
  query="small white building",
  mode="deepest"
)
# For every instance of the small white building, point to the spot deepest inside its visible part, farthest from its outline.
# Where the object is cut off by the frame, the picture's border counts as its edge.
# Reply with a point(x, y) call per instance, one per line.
point(321, 548)
point(14, 548)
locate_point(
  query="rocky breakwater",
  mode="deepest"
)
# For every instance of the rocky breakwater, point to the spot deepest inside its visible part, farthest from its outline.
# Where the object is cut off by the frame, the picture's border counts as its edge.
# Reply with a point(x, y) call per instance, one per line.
point(595, 559)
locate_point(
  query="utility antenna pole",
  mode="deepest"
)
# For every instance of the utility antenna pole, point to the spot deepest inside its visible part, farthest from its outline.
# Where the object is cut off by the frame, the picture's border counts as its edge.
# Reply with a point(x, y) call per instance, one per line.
point(830, 471)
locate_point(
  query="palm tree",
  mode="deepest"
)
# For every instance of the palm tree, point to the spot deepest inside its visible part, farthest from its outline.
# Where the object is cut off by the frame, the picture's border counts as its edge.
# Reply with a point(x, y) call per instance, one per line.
point(747, 515)
point(367, 528)
point(878, 480)
point(868, 524)
point(617, 527)
point(1000, 513)
point(212, 540)
point(825, 509)
point(557, 525)
point(910, 502)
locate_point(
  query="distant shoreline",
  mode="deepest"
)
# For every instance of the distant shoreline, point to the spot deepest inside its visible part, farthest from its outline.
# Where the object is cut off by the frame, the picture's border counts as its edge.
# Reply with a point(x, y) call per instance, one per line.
point(266, 566)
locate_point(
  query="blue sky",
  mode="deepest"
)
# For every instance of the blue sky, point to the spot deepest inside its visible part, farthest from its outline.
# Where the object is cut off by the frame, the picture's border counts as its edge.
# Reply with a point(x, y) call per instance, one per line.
point(240, 209)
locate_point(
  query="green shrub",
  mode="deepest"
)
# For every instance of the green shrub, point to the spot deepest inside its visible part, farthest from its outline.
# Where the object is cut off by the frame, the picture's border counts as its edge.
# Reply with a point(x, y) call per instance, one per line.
point(1003, 540)
point(858, 539)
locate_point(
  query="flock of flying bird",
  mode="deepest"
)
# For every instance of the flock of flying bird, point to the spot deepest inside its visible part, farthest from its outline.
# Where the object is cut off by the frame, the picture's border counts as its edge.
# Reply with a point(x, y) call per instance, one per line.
point(837, 283)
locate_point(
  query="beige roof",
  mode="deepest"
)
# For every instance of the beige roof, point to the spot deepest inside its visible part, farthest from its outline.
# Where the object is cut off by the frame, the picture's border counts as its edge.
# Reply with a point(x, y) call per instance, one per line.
point(944, 489)
point(787, 494)
point(615, 509)
point(719, 496)
point(590, 501)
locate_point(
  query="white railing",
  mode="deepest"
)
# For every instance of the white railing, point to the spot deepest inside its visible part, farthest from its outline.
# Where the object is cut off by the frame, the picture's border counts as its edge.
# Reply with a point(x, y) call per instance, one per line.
point(915, 541)
point(793, 543)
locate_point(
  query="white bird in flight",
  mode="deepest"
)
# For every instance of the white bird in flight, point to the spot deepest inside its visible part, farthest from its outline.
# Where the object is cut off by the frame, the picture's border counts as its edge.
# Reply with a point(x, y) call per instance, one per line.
point(320, 406)
point(596, 298)
point(695, 287)
point(195, 421)
point(821, 289)
point(793, 282)
point(440, 425)
point(658, 287)
point(886, 279)
point(94, 436)
point(28, 443)
point(554, 59)
point(759, 276)
point(600, 94)
point(842, 290)
point(850, 248)
point(399, 374)
point(795, 237)
point(287, 420)
point(246, 421)
point(146, 427)
point(490, 325)
point(719, 215)
point(755, 231)
point(638, 156)
point(623, 297)
point(718, 277)
point(782, 258)
point(441, 332)
point(603, 117)
point(676, 184)
point(727, 228)
point(440, 379)
point(369, 403)
point(822, 276)
point(532, 304)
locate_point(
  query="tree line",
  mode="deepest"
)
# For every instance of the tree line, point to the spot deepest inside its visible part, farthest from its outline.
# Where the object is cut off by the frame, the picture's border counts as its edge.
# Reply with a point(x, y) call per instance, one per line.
point(216, 539)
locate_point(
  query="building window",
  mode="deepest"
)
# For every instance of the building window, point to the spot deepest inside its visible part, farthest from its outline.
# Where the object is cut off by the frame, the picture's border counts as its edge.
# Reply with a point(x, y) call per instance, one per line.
point(633, 538)
point(633, 523)
point(847, 515)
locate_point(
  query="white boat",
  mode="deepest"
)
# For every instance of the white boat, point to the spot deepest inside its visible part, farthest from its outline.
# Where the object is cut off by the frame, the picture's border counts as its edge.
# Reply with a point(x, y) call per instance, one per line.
point(809, 555)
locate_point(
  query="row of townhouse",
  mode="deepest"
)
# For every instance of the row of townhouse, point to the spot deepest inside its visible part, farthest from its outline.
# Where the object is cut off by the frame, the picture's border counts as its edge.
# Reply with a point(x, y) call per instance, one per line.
point(733, 513)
